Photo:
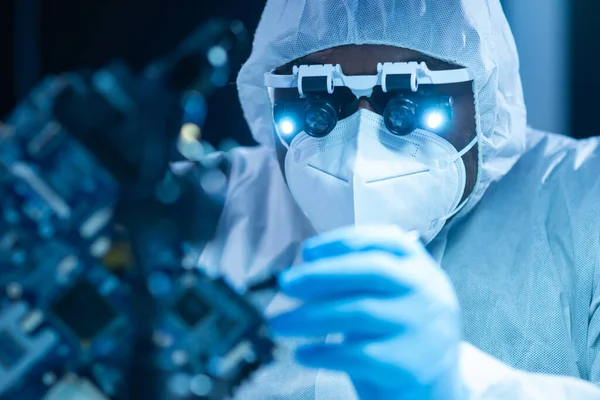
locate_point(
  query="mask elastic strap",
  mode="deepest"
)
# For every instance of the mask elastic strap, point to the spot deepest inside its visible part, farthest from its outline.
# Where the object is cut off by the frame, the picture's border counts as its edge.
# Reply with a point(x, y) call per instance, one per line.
point(465, 201)
point(446, 163)
point(453, 213)
point(467, 148)
point(457, 209)
point(283, 142)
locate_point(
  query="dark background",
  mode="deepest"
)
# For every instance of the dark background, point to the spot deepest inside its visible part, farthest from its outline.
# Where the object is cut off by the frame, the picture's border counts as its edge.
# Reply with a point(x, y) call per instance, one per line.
point(585, 67)
point(87, 33)
point(56, 36)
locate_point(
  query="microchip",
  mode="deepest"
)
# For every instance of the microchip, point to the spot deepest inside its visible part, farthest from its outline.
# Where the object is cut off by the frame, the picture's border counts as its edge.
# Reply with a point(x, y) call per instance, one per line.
point(225, 325)
point(84, 311)
point(191, 308)
point(11, 351)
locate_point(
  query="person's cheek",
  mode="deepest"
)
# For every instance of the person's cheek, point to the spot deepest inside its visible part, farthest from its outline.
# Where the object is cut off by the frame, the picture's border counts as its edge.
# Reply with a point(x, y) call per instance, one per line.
point(463, 130)
point(465, 114)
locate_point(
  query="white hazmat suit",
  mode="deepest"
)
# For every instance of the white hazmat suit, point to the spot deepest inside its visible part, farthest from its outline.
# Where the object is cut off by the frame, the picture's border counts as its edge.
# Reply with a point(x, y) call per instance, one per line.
point(523, 255)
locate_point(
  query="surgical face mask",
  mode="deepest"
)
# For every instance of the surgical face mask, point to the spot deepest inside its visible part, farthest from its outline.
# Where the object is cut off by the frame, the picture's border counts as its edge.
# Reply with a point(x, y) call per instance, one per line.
point(362, 174)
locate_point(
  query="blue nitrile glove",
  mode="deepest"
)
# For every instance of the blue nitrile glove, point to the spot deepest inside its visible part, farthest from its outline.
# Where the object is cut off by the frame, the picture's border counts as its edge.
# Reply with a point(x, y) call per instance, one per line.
point(393, 304)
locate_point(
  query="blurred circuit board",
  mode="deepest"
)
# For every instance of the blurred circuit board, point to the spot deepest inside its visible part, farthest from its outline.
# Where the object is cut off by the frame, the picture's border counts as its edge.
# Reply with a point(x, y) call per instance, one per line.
point(67, 290)
point(62, 311)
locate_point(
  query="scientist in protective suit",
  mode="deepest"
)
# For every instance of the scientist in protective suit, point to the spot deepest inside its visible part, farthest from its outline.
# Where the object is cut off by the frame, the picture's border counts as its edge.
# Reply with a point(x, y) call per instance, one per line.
point(382, 122)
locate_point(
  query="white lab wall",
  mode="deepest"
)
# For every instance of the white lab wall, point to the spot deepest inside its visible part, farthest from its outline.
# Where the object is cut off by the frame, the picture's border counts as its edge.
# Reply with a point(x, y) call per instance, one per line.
point(541, 29)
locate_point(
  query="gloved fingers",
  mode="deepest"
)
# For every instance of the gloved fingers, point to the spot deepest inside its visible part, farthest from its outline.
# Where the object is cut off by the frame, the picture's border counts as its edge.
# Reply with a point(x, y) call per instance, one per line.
point(378, 273)
point(388, 238)
point(371, 391)
point(362, 317)
point(356, 362)
point(396, 362)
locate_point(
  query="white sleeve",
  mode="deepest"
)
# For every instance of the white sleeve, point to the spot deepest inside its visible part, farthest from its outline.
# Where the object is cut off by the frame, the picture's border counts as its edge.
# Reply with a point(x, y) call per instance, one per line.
point(486, 378)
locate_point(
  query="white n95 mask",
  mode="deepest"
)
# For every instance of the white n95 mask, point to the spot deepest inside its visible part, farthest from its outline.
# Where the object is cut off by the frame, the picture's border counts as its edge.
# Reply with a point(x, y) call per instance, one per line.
point(362, 174)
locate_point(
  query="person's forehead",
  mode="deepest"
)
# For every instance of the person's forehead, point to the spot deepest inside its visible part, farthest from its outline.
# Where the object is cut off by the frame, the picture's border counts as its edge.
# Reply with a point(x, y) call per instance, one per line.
point(363, 59)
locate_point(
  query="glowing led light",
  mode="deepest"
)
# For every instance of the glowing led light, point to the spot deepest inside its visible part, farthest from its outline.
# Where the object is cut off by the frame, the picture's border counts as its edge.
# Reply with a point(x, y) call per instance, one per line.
point(435, 120)
point(286, 126)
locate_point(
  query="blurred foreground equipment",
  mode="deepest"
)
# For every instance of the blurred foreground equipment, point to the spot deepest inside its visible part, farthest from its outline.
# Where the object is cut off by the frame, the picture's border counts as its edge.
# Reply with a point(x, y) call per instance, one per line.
point(101, 297)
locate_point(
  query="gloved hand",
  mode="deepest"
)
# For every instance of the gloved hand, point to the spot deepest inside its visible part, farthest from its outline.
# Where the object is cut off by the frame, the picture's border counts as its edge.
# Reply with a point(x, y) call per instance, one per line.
point(395, 307)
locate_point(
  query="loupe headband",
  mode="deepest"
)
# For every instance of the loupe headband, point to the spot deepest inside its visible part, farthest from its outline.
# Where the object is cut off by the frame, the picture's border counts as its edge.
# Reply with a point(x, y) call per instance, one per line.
point(405, 76)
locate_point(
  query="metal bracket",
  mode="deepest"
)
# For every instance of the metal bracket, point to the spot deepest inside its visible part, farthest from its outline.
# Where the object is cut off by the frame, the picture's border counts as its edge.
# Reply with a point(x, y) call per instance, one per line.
point(314, 79)
point(399, 76)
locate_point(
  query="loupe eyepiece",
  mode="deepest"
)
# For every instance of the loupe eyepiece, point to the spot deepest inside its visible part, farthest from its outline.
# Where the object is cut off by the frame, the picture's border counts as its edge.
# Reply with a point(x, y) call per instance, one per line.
point(399, 116)
point(320, 117)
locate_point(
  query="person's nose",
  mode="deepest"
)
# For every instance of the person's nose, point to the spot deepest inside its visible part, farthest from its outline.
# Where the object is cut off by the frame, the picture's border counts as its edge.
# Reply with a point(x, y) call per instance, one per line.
point(363, 103)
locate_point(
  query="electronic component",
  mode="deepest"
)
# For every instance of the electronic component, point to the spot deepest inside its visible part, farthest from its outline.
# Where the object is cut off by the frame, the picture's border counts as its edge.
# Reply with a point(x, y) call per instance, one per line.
point(50, 180)
point(220, 333)
point(21, 350)
point(71, 327)
point(11, 351)
point(83, 306)
point(84, 311)
point(191, 308)
point(74, 388)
